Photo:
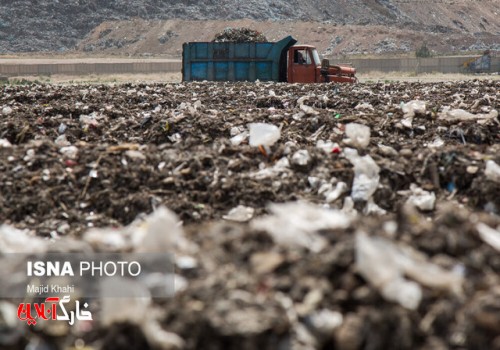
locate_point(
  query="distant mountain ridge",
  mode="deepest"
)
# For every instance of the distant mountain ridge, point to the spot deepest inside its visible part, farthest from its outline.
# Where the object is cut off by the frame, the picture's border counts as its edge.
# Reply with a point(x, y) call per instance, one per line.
point(58, 25)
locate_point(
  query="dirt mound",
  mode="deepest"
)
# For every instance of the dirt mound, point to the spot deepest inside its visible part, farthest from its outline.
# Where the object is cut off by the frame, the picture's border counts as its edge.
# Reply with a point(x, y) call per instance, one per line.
point(400, 177)
point(141, 37)
point(240, 35)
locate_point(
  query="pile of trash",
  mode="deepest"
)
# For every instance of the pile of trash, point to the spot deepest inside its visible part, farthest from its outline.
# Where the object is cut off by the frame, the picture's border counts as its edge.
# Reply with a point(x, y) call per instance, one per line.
point(240, 35)
point(299, 216)
point(301, 277)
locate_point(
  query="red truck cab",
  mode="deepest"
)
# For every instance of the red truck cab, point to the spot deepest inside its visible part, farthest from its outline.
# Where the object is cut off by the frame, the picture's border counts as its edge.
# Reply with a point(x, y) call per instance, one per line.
point(305, 66)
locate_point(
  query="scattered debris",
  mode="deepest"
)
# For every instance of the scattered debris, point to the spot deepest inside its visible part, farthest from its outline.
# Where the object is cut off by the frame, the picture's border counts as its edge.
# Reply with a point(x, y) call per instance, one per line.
point(366, 175)
point(492, 171)
point(240, 214)
point(384, 264)
point(410, 110)
point(13, 240)
point(266, 275)
point(333, 195)
point(423, 200)
point(262, 134)
point(301, 158)
point(358, 135)
point(296, 224)
point(489, 235)
point(6, 111)
point(462, 115)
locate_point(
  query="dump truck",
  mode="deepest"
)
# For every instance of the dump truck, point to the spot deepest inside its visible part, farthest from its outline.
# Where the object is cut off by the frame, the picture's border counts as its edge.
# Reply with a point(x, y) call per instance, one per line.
point(281, 61)
point(478, 65)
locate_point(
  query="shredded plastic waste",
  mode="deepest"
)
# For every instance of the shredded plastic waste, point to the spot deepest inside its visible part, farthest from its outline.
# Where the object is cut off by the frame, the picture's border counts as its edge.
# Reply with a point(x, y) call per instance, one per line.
point(385, 266)
point(410, 110)
point(492, 171)
point(295, 224)
point(462, 115)
point(365, 106)
point(366, 175)
point(295, 281)
point(332, 195)
point(308, 110)
point(6, 110)
point(4, 143)
point(413, 108)
point(301, 158)
point(236, 140)
point(422, 199)
point(327, 146)
point(282, 166)
point(70, 152)
point(358, 135)
point(161, 231)
point(262, 134)
point(240, 213)
point(489, 235)
point(325, 321)
point(13, 240)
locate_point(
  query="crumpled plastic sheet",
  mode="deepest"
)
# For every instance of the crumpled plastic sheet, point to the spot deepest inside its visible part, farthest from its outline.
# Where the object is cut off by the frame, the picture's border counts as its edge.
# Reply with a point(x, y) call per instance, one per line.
point(296, 224)
point(385, 265)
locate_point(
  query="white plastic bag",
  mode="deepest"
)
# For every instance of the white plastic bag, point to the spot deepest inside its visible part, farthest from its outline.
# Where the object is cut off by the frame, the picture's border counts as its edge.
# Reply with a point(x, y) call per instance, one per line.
point(358, 135)
point(492, 171)
point(410, 110)
point(462, 115)
point(384, 265)
point(301, 158)
point(489, 235)
point(366, 175)
point(423, 200)
point(296, 224)
point(262, 134)
point(413, 108)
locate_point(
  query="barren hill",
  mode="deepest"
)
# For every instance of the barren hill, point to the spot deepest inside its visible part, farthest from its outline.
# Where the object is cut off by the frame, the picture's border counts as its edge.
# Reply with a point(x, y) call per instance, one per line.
point(165, 38)
point(48, 25)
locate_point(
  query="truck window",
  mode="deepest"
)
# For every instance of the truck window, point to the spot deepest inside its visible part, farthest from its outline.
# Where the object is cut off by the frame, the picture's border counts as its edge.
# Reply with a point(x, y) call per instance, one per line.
point(301, 57)
point(316, 58)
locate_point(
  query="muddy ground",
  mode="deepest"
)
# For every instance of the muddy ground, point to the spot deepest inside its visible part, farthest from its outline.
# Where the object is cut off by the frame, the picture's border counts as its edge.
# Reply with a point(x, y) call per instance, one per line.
point(79, 156)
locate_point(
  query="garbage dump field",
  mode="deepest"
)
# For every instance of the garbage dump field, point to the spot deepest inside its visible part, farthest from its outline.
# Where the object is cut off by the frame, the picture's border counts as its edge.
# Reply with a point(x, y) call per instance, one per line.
point(301, 216)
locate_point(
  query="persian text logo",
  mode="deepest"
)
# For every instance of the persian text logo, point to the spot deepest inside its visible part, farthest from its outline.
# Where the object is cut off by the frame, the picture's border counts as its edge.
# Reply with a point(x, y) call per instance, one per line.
point(49, 311)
